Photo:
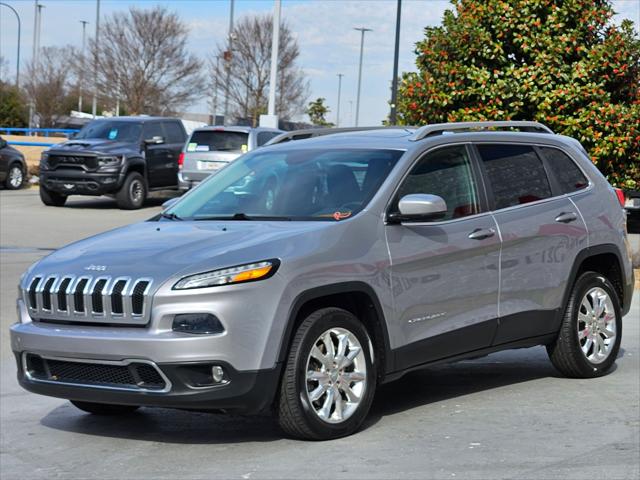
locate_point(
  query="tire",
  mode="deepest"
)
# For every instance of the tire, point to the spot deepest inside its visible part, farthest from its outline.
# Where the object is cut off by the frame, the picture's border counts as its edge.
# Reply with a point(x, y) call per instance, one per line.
point(52, 199)
point(575, 354)
point(298, 414)
point(104, 408)
point(133, 192)
point(15, 177)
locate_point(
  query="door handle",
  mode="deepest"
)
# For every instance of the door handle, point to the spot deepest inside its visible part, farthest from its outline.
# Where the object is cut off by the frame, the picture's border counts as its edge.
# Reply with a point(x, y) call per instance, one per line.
point(566, 217)
point(482, 233)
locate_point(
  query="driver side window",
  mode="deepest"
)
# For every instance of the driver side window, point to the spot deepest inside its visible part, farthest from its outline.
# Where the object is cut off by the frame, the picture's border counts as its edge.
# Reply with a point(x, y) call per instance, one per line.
point(445, 172)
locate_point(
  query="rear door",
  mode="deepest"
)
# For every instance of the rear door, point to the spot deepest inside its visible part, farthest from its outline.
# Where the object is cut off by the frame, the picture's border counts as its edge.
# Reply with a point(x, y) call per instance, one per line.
point(445, 272)
point(159, 164)
point(175, 138)
point(541, 231)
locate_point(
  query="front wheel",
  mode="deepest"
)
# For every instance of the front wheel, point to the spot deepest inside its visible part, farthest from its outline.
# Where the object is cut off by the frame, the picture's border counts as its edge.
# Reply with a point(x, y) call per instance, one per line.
point(329, 379)
point(104, 408)
point(590, 333)
point(52, 199)
point(133, 192)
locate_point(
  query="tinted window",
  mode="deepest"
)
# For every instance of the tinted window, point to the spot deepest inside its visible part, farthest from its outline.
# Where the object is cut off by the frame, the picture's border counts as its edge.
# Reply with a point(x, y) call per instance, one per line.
point(516, 174)
point(445, 172)
point(151, 130)
point(566, 172)
point(264, 137)
point(174, 132)
point(297, 184)
point(218, 140)
point(111, 130)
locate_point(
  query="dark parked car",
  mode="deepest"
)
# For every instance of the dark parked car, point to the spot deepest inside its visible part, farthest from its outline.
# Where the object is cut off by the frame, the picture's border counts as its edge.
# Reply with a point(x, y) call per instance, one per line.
point(124, 156)
point(13, 168)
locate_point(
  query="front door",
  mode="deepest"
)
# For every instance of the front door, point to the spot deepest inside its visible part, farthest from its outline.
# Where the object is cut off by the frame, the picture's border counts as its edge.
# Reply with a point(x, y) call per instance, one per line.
point(444, 273)
point(160, 170)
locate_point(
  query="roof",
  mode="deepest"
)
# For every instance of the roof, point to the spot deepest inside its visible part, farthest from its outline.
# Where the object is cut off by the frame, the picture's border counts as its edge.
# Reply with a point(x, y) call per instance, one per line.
point(236, 128)
point(137, 118)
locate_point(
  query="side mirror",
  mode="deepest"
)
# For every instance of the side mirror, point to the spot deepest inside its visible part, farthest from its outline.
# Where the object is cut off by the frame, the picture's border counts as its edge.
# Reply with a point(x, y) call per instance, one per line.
point(157, 140)
point(170, 203)
point(419, 207)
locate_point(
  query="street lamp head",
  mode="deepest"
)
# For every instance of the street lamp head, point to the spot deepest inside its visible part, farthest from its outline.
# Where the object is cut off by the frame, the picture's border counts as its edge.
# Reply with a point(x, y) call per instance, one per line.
point(363, 29)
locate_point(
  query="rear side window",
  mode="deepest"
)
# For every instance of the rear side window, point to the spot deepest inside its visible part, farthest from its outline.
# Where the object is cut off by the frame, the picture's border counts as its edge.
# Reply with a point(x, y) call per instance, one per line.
point(151, 130)
point(218, 141)
point(264, 137)
point(174, 133)
point(569, 176)
point(445, 172)
point(516, 174)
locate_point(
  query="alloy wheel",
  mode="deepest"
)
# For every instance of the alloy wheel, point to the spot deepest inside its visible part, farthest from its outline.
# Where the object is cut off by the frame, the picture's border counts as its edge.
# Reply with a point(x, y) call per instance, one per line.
point(336, 375)
point(15, 177)
point(596, 325)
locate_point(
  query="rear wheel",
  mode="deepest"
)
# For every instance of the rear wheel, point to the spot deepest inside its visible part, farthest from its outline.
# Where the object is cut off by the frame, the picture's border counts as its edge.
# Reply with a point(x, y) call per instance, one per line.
point(133, 192)
point(104, 408)
point(589, 338)
point(329, 379)
point(15, 177)
point(52, 199)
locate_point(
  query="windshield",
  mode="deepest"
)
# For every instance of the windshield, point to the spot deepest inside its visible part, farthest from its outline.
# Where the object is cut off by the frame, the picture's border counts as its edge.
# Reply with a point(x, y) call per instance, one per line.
point(111, 130)
point(302, 184)
point(218, 140)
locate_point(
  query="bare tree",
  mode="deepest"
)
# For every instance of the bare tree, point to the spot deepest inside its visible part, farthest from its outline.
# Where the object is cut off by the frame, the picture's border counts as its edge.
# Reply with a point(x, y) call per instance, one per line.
point(47, 83)
point(143, 60)
point(250, 67)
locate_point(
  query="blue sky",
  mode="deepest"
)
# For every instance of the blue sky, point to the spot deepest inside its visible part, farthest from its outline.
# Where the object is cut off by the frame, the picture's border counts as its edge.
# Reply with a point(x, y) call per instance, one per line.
point(324, 30)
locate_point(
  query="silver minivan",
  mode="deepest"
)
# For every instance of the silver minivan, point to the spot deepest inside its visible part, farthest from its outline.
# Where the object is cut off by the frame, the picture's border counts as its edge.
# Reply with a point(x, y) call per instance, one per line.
point(211, 148)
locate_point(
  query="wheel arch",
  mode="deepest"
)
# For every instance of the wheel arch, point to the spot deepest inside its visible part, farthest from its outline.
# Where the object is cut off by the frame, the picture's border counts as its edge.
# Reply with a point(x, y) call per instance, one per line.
point(356, 297)
point(606, 260)
point(136, 164)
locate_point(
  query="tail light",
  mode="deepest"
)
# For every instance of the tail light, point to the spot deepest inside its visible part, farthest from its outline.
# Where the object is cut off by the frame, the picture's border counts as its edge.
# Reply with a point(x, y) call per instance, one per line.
point(181, 160)
point(620, 195)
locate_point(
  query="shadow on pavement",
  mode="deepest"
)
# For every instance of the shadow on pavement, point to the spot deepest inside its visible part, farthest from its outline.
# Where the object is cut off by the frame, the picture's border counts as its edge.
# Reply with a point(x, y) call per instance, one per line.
point(416, 389)
point(155, 199)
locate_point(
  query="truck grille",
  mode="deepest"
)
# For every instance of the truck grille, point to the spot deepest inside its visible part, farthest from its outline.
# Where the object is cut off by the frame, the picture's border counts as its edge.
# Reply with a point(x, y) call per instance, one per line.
point(88, 162)
point(121, 375)
point(102, 299)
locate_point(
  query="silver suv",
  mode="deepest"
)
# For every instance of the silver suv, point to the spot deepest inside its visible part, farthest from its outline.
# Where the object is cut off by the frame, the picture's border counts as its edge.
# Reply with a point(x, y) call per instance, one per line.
point(211, 148)
point(305, 274)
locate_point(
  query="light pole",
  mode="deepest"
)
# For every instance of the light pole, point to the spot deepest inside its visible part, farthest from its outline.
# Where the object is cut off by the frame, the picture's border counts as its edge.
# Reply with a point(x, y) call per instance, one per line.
point(94, 105)
point(394, 80)
point(82, 64)
point(362, 30)
point(215, 91)
point(228, 59)
point(271, 119)
point(18, 53)
point(34, 57)
point(340, 75)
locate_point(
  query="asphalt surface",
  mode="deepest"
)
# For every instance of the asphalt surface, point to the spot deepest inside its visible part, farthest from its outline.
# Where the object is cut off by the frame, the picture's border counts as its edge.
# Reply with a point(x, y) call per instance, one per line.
point(508, 415)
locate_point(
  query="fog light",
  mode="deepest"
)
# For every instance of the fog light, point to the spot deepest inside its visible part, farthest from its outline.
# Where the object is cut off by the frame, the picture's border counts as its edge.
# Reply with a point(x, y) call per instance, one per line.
point(217, 373)
point(197, 323)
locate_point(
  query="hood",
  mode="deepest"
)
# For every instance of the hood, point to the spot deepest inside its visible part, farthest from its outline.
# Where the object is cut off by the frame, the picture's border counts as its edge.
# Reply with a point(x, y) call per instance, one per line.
point(93, 144)
point(162, 250)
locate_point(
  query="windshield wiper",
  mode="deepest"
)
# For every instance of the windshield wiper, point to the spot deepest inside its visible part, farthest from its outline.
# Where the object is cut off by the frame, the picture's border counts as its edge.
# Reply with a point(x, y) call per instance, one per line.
point(240, 216)
point(170, 216)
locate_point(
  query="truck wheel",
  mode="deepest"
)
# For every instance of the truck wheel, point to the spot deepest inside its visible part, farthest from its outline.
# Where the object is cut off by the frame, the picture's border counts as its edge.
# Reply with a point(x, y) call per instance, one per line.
point(590, 333)
point(15, 177)
point(104, 408)
point(329, 378)
point(52, 199)
point(133, 192)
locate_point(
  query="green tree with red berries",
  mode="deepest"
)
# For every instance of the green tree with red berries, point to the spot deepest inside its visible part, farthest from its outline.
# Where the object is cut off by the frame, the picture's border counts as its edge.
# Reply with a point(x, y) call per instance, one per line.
point(562, 62)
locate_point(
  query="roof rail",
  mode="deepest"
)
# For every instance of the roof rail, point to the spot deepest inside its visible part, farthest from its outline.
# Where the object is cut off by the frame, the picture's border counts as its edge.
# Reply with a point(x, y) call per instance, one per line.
point(439, 128)
point(317, 132)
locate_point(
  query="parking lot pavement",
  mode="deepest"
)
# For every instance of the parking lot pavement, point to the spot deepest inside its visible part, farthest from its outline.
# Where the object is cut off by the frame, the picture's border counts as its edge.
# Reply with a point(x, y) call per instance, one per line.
point(508, 415)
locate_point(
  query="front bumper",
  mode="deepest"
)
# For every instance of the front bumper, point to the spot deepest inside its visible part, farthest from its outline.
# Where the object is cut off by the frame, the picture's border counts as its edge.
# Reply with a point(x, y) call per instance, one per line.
point(76, 182)
point(242, 392)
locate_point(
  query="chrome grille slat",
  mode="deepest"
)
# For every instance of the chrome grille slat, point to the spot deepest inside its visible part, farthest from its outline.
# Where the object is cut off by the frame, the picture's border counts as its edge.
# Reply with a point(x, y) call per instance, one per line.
point(71, 298)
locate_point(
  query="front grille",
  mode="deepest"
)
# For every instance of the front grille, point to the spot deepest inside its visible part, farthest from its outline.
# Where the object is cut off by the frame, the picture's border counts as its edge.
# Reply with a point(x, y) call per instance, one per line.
point(100, 299)
point(89, 162)
point(134, 375)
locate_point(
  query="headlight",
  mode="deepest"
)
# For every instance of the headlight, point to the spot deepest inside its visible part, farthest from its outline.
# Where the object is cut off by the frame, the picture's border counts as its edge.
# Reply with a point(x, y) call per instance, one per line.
point(44, 159)
point(240, 274)
point(110, 161)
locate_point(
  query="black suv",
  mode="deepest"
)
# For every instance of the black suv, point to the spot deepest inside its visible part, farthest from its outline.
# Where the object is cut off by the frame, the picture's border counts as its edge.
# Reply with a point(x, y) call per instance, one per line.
point(124, 156)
